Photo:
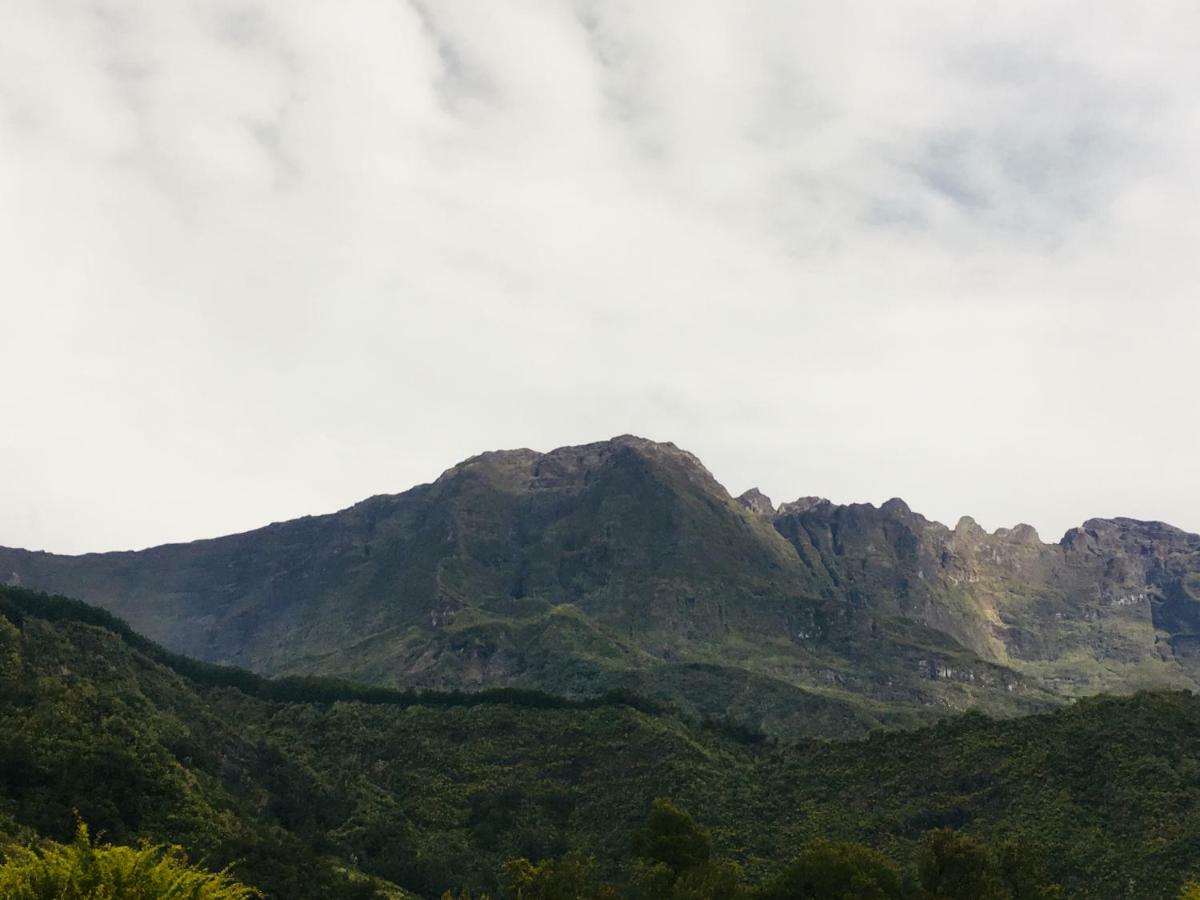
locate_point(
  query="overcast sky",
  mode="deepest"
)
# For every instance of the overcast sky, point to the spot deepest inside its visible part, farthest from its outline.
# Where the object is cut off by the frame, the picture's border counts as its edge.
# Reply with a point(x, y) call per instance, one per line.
point(265, 259)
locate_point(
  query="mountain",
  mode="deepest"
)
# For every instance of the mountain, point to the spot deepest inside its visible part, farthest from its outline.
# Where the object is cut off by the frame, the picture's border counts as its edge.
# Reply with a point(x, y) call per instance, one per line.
point(1115, 604)
point(625, 565)
point(318, 789)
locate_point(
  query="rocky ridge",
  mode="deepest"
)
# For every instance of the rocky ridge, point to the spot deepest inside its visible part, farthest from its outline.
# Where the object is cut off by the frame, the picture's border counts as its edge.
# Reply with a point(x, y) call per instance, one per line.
point(625, 564)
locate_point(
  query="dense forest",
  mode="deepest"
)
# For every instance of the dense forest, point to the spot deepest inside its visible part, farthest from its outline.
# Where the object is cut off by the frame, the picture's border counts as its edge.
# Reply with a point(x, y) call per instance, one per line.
point(310, 788)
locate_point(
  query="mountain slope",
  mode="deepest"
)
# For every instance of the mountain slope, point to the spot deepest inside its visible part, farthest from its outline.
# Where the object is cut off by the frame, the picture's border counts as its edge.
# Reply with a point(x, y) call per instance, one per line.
point(1114, 605)
point(624, 564)
point(312, 796)
point(619, 564)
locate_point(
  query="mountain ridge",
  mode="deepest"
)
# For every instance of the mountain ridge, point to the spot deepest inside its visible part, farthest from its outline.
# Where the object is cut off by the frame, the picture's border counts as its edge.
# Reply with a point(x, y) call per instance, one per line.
point(625, 564)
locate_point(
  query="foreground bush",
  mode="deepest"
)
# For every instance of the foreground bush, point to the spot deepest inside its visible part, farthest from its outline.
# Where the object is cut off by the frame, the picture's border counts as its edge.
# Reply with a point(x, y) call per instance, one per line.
point(86, 871)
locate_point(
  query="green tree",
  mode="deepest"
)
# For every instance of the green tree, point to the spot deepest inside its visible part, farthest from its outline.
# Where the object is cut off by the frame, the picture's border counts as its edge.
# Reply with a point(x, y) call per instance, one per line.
point(1024, 873)
point(716, 880)
point(677, 859)
point(955, 866)
point(652, 880)
point(10, 650)
point(836, 871)
point(570, 877)
point(86, 871)
point(672, 837)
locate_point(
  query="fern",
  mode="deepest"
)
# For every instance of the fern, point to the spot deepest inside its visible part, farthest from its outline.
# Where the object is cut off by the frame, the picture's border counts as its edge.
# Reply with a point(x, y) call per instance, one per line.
point(83, 870)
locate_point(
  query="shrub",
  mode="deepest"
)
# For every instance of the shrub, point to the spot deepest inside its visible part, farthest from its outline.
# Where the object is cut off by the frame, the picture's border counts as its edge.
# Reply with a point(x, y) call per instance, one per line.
point(83, 870)
point(831, 871)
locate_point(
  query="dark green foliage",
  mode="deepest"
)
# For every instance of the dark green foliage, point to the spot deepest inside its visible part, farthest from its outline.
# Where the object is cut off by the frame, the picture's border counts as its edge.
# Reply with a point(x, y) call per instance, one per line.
point(677, 859)
point(313, 799)
point(571, 877)
point(1024, 871)
point(836, 871)
point(673, 838)
point(15, 603)
point(956, 866)
point(719, 880)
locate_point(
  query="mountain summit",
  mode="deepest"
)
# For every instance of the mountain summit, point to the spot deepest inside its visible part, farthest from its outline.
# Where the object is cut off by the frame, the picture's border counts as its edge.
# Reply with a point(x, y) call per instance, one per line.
point(625, 564)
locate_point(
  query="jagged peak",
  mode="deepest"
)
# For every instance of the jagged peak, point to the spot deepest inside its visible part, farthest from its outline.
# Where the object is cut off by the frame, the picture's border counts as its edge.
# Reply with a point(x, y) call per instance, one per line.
point(494, 461)
point(758, 502)
point(967, 525)
point(1020, 533)
point(527, 468)
point(658, 450)
point(1126, 522)
point(1147, 528)
point(896, 507)
point(523, 467)
point(802, 505)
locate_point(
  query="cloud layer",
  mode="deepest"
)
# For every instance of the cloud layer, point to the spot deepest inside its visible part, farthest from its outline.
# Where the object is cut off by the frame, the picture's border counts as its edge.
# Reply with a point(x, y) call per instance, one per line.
point(262, 260)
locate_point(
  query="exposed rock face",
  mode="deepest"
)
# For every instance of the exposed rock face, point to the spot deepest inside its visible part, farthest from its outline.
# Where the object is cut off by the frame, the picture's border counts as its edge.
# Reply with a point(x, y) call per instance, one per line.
point(758, 502)
point(625, 564)
point(1121, 593)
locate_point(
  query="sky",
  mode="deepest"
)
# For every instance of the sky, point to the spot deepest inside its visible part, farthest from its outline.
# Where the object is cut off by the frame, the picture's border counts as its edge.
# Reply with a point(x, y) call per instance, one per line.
point(260, 260)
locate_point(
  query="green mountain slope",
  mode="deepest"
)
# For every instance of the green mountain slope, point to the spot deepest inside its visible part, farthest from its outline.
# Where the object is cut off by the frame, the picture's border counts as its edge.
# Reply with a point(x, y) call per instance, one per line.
point(624, 564)
point(312, 797)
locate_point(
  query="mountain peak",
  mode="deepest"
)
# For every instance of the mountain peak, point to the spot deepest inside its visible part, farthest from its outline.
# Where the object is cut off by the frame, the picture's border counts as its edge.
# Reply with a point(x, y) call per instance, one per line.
point(967, 525)
point(525, 469)
point(758, 502)
point(802, 505)
point(896, 507)
point(661, 451)
point(1020, 534)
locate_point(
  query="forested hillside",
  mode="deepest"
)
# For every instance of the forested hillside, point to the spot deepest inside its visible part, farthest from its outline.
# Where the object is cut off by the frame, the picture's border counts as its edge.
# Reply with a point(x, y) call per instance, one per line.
point(316, 789)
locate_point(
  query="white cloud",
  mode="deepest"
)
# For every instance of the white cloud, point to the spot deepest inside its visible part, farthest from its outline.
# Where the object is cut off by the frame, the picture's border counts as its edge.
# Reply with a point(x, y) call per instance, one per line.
point(265, 259)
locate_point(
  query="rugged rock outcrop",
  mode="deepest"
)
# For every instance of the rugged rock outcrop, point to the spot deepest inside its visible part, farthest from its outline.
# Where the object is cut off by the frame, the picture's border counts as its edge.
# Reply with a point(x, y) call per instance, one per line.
point(1116, 603)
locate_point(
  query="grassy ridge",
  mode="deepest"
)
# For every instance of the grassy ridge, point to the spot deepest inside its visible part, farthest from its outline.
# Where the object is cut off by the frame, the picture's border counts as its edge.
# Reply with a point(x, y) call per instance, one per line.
point(15, 604)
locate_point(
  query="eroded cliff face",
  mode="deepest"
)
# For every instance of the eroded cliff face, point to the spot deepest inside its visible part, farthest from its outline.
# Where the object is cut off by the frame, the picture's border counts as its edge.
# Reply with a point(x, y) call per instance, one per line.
point(625, 564)
point(1115, 603)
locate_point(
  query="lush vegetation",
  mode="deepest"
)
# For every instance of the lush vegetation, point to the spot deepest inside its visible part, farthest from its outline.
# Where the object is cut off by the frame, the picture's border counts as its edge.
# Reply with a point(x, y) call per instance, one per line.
point(83, 870)
point(676, 861)
point(337, 794)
